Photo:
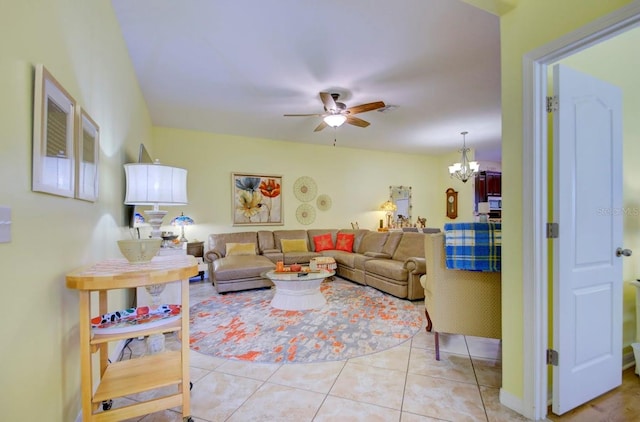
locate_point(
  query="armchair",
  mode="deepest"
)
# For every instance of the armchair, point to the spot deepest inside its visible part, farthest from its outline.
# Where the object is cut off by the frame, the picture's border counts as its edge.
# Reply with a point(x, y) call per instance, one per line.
point(458, 301)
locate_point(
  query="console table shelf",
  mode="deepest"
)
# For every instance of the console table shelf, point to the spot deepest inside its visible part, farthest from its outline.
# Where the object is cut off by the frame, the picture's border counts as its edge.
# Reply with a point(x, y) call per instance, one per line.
point(146, 373)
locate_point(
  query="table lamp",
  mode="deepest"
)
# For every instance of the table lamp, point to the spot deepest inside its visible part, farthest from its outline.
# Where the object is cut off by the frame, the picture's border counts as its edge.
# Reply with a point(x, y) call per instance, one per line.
point(483, 212)
point(182, 220)
point(389, 207)
point(154, 185)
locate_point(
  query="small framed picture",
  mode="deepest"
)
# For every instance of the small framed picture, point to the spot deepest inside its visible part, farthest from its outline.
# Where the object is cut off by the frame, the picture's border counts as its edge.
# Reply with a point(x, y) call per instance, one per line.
point(53, 133)
point(87, 155)
point(256, 199)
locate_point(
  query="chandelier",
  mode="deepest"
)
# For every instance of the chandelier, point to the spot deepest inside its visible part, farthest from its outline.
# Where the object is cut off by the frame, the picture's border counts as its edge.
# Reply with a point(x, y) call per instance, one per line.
point(465, 169)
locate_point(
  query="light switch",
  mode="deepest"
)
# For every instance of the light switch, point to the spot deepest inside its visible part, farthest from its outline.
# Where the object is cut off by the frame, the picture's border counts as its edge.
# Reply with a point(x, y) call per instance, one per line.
point(5, 224)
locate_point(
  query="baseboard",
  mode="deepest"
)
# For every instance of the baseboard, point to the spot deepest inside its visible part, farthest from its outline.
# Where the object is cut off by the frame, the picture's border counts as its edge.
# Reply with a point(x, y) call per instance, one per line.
point(628, 360)
point(512, 402)
point(113, 358)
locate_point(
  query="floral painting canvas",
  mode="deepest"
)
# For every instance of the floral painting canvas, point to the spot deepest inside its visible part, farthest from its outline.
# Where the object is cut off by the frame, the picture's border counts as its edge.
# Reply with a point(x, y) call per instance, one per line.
point(257, 199)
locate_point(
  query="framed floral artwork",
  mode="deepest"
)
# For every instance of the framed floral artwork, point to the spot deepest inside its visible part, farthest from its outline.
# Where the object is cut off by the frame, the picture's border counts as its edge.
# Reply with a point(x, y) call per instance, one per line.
point(256, 199)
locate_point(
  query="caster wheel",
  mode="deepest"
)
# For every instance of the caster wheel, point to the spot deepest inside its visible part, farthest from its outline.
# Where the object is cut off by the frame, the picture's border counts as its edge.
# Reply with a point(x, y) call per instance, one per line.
point(188, 419)
point(106, 405)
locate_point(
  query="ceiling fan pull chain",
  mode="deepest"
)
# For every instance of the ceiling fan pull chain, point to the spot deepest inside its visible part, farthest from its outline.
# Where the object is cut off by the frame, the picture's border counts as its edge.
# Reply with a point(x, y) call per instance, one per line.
point(334, 136)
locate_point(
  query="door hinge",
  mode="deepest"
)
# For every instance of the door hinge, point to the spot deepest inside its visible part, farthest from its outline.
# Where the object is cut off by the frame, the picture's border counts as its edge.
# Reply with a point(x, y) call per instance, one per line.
point(552, 357)
point(553, 230)
point(552, 104)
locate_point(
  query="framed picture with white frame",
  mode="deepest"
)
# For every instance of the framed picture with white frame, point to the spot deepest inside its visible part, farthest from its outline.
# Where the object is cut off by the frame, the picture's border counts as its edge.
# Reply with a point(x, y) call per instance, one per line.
point(53, 134)
point(87, 156)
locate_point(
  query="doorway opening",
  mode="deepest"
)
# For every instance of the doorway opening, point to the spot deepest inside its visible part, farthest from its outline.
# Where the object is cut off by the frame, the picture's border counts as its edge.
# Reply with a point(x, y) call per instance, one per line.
point(535, 194)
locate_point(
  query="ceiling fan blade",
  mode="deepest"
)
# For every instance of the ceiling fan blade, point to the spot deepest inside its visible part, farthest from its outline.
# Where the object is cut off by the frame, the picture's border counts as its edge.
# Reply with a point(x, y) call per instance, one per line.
point(303, 115)
point(356, 121)
point(365, 107)
point(321, 126)
point(328, 101)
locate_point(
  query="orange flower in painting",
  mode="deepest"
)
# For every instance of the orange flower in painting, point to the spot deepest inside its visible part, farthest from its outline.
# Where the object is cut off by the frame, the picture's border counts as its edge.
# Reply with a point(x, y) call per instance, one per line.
point(270, 188)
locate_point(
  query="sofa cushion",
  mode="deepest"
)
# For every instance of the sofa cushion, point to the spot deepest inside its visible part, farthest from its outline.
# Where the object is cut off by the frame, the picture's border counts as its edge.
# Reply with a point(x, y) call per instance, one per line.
point(278, 235)
point(293, 245)
point(347, 259)
point(344, 242)
point(265, 241)
point(392, 242)
point(299, 257)
point(323, 242)
point(387, 268)
point(359, 235)
point(373, 242)
point(311, 233)
point(411, 245)
point(218, 241)
point(241, 248)
point(241, 267)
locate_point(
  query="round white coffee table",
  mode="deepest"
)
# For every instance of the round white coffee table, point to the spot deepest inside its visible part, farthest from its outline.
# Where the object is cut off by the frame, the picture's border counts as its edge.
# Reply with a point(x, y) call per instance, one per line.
point(296, 292)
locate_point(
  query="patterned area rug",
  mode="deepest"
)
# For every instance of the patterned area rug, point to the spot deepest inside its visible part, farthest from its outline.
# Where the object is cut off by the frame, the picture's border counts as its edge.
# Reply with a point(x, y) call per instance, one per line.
point(357, 320)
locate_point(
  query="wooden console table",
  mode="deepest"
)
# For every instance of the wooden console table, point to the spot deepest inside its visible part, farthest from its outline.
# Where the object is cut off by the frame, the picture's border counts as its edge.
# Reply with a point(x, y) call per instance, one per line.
point(120, 379)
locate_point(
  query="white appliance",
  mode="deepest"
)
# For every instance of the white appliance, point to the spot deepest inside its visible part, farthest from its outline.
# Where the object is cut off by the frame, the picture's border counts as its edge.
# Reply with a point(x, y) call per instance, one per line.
point(495, 203)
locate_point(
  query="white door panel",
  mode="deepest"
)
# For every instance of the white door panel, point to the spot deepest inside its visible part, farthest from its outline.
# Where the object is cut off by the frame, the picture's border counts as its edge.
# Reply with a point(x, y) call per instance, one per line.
point(587, 292)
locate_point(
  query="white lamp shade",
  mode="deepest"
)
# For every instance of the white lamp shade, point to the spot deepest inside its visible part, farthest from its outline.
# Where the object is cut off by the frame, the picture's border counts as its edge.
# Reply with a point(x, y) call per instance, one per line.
point(155, 184)
point(335, 120)
point(483, 208)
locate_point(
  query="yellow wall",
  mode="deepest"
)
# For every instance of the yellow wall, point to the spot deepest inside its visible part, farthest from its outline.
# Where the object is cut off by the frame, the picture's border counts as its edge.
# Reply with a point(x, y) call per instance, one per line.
point(80, 43)
point(531, 24)
point(356, 180)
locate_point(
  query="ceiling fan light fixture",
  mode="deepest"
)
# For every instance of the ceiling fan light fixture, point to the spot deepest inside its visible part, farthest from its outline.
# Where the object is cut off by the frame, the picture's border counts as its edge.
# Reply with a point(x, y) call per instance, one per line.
point(335, 120)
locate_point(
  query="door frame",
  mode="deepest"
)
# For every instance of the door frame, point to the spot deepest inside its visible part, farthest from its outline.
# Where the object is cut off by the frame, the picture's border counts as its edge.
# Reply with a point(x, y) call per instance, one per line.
point(535, 264)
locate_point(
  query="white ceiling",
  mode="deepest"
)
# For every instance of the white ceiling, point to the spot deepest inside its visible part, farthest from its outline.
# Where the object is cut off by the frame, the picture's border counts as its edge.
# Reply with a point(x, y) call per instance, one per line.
point(236, 67)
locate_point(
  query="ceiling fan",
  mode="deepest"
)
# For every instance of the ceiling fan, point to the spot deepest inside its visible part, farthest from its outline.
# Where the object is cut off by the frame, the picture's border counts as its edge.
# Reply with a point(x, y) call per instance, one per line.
point(337, 113)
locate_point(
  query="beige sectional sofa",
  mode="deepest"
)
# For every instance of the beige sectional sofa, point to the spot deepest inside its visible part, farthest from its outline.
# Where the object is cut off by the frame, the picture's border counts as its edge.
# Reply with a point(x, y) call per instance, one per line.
point(388, 261)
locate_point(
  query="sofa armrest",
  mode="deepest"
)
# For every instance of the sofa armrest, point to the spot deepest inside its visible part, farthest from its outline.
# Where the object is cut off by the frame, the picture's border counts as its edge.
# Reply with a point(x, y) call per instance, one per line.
point(416, 265)
point(211, 256)
point(377, 255)
point(270, 251)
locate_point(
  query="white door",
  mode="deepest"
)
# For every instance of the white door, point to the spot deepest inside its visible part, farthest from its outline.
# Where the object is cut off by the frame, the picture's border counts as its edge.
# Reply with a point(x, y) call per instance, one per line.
point(587, 273)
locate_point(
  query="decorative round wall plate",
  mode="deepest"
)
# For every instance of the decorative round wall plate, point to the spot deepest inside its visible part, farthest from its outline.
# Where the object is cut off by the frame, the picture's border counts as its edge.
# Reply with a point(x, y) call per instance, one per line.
point(323, 202)
point(306, 214)
point(305, 189)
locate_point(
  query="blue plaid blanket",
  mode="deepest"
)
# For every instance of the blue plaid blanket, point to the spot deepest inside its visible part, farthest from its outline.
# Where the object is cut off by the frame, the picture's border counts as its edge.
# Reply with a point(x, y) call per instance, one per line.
point(473, 246)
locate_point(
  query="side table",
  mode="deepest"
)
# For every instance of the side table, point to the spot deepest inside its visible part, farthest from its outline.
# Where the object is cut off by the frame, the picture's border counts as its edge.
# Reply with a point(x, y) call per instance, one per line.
point(128, 377)
point(196, 249)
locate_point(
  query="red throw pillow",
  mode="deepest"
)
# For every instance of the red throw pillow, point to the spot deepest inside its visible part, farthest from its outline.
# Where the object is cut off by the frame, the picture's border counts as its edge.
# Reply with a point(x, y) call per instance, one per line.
point(344, 242)
point(323, 242)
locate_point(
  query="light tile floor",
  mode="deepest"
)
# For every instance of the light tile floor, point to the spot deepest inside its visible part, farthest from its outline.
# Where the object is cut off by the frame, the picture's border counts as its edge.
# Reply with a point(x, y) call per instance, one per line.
point(404, 384)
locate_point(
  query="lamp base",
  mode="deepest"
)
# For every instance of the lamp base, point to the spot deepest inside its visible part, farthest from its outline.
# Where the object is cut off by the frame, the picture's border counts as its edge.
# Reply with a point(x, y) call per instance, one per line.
point(155, 218)
point(182, 238)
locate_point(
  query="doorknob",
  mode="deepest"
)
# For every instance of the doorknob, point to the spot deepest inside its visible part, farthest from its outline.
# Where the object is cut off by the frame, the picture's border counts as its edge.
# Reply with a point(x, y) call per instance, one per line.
point(623, 252)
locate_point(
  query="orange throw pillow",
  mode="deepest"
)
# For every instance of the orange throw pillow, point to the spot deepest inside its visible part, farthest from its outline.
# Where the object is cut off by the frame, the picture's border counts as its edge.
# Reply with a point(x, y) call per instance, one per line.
point(323, 242)
point(344, 242)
